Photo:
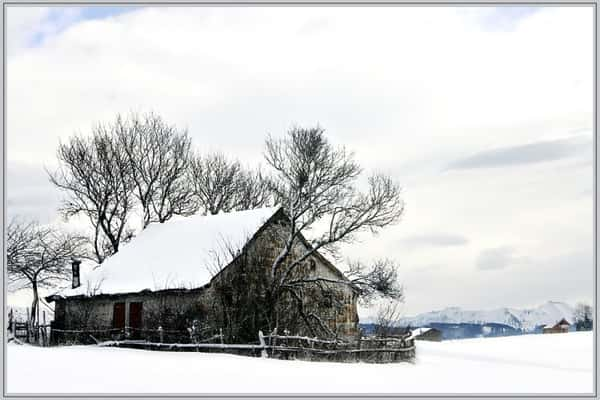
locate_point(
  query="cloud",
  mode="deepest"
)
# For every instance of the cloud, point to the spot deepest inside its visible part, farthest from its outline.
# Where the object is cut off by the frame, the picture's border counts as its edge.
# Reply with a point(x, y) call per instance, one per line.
point(231, 75)
point(495, 258)
point(435, 240)
point(31, 26)
point(29, 193)
point(314, 26)
point(541, 151)
point(504, 18)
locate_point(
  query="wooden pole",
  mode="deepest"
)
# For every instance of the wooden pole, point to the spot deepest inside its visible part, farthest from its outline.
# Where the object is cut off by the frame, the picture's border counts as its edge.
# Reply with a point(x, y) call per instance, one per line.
point(261, 339)
point(44, 332)
point(28, 324)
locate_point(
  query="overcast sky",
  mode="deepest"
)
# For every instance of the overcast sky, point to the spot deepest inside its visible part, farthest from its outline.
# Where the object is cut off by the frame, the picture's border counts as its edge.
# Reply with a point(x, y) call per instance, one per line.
point(484, 115)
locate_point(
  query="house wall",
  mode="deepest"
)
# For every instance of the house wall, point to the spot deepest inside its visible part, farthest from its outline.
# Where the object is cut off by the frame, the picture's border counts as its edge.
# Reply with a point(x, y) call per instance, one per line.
point(556, 329)
point(432, 335)
point(173, 310)
point(339, 313)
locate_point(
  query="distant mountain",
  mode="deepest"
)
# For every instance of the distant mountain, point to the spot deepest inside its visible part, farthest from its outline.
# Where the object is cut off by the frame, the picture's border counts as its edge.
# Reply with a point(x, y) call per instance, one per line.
point(523, 319)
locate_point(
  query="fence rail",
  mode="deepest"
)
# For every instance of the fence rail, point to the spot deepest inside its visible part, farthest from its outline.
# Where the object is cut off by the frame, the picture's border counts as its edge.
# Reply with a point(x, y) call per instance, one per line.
point(32, 332)
point(195, 338)
point(279, 347)
point(191, 335)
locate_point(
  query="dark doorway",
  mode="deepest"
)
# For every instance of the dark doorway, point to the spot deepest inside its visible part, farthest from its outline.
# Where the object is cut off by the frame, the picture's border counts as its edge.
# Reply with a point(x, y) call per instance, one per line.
point(135, 318)
point(119, 315)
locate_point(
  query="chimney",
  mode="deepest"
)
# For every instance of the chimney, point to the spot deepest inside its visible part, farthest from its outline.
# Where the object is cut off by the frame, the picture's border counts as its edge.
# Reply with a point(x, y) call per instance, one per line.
point(75, 267)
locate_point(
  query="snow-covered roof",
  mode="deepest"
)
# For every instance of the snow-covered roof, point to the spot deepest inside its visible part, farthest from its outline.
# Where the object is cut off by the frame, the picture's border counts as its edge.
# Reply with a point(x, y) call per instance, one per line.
point(178, 253)
point(419, 331)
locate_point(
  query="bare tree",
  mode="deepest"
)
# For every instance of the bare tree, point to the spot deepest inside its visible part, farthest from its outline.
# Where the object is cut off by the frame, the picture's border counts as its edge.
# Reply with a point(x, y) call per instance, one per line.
point(223, 185)
point(583, 317)
point(388, 317)
point(158, 156)
point(40, 257)
point(317, 185)
point(94, 174)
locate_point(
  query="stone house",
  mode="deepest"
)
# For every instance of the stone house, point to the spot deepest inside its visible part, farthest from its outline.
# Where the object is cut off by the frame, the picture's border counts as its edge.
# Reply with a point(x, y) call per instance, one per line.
point(193, 277)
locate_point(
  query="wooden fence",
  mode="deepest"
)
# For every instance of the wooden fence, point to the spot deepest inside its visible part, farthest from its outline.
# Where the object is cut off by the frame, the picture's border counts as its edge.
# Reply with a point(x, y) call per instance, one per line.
point(287, 347)
point(375, 350)
point(370, 350)
point(28, 331)
point(191, 335)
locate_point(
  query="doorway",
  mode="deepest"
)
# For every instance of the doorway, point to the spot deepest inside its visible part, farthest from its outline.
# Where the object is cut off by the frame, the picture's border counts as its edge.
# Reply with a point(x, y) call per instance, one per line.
point(135, 319)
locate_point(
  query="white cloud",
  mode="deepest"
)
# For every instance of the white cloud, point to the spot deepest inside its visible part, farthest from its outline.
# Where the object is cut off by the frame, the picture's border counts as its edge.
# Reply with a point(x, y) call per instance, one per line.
point(410, 89)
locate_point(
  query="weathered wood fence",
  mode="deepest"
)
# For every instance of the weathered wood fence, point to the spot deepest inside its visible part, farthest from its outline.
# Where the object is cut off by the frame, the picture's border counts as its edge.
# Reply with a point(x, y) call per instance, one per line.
point(371, 350)
point(128, 334)
point(28, 331)
point(376, 350)
point(286, 347)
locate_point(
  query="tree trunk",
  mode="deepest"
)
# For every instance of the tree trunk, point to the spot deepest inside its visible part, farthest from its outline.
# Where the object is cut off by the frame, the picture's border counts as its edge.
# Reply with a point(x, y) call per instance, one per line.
point(34, 304)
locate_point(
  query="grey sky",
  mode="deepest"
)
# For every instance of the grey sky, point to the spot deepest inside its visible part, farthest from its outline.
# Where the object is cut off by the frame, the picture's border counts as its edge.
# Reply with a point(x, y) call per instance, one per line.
point(541, 151)
point(484, 115)
point(435, 240)
point(496, 258)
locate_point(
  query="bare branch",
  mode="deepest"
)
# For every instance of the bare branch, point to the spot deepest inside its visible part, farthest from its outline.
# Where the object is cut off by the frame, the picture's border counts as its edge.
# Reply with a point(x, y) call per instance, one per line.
point(158, 156)
point(94, 175)
point(223, 185)
point(378, 280)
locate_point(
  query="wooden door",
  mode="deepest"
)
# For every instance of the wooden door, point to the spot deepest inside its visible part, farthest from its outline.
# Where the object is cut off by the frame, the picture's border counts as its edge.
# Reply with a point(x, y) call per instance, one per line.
point(119, 315)
point(135, 316)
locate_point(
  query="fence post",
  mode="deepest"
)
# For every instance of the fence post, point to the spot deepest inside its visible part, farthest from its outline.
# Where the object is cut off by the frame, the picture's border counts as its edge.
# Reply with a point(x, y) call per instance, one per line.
point(261, 339)
point(28, 324)
point(44, 330)
point(221, 335)
point(37, 322)
point(160, 334)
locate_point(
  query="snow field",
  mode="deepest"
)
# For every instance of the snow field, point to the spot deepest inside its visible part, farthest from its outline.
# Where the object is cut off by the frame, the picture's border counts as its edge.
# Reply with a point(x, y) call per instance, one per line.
point(559, 363)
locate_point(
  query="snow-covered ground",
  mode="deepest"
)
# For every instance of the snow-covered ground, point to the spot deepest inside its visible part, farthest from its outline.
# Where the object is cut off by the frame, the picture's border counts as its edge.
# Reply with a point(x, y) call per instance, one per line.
point(559, 363)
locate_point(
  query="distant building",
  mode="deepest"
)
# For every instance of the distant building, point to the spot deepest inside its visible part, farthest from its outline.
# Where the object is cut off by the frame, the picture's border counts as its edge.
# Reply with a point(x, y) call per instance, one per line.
point(561, 326)
point(430, 334)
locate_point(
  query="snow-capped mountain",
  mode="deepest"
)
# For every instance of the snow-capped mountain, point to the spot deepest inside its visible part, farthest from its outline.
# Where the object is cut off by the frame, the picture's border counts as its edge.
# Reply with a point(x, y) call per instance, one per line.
point(525, 319)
